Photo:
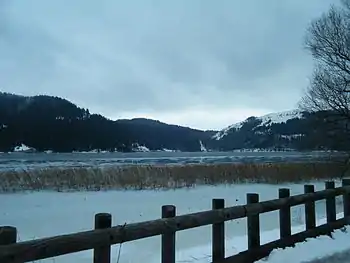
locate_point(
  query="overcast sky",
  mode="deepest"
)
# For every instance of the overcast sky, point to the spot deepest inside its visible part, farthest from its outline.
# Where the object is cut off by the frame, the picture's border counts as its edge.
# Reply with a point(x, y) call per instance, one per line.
point(199, 63)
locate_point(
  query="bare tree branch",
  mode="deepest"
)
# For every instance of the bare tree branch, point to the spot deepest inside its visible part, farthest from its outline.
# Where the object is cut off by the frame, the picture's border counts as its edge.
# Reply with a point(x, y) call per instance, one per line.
point(328, 95)
point(328, 41)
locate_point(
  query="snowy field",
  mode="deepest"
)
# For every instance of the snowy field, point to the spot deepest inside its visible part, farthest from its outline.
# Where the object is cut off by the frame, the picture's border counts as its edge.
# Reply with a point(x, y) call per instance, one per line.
point(43, 214)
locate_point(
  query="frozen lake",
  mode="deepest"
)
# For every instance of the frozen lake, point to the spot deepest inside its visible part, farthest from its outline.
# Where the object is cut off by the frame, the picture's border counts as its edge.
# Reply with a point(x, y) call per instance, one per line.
point(41, 160)
point(43, 214)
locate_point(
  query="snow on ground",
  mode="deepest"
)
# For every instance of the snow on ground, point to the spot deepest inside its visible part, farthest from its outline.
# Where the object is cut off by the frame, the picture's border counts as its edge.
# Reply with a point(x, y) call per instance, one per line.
point(292, 136)
point(23, 148)
point(313, 249)
point(280, 117)
point(203, 149)
point(170, 150)
point(338, 257)
point(139, 148)
point(44, 214)
point(219, 135)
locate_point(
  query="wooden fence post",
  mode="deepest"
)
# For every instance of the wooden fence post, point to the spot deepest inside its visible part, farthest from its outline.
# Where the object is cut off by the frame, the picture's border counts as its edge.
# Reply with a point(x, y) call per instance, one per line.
point(284, 215)
point(102, 254)
point(218, 234)
point(346, 198)
point(330, 204)
point(253, 224)
point(8, 235)
point(310, 209)
point(168, 239)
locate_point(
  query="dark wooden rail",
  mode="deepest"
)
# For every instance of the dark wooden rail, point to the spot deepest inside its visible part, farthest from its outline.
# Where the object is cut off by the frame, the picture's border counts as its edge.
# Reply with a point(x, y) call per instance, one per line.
point(104, 235)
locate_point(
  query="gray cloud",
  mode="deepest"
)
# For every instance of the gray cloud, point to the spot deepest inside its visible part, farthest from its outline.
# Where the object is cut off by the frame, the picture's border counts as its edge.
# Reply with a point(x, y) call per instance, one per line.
point(159, 58)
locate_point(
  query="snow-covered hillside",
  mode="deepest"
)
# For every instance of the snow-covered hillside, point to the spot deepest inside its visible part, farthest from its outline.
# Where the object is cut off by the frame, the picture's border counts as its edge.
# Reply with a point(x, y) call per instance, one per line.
point(266, 120)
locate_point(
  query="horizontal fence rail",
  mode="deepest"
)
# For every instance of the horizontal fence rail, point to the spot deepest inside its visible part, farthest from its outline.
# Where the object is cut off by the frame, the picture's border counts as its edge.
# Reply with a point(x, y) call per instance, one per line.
point(104, 235)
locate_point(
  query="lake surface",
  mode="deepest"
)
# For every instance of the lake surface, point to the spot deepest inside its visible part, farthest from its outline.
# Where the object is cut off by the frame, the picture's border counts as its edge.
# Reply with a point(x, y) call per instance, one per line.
point(44, 160)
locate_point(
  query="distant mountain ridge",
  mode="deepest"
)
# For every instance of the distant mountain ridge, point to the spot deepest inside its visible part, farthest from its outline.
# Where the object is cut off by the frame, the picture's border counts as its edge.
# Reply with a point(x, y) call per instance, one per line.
point(265, 120)
point(49, 123)
point(46, 123)
point(294, 130)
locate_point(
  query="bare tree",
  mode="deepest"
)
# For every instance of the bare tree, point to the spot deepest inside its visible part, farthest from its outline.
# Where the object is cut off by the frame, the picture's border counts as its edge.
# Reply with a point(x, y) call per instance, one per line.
point(328, 41)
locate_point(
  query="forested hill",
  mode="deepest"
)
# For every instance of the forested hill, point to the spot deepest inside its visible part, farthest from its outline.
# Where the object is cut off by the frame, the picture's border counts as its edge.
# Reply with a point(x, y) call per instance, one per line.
point(51, 123)
point(293, 129)
point(47, 123)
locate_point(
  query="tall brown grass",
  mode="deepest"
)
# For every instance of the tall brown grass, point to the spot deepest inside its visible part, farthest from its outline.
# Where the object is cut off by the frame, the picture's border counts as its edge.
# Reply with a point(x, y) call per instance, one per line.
point(165, 177)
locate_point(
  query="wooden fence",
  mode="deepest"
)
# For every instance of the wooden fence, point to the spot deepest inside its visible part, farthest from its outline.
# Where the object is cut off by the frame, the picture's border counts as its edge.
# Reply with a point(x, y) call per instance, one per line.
point(104, 235)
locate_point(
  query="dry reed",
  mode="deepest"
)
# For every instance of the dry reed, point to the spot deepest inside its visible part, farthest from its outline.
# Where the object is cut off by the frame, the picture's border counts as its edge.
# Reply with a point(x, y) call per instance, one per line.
point(165, 177)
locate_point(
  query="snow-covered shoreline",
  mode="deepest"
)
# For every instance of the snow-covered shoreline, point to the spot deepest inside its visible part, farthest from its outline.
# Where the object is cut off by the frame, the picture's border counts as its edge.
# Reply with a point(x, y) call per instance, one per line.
point(141, 148)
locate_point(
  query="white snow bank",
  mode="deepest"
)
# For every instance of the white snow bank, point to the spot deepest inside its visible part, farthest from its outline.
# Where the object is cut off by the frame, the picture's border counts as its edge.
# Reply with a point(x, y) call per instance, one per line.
point(313, 248)
point(23, 148)
point(139, 148)
point(339, 257)
point(169, 150)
